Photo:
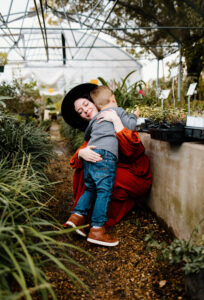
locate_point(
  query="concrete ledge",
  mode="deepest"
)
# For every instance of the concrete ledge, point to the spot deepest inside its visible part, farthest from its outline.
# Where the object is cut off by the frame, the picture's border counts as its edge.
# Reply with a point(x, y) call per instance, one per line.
point(177, 194)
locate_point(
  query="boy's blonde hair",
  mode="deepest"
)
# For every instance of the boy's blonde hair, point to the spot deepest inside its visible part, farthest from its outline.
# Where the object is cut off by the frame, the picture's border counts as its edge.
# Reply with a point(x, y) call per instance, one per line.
point(101, 95)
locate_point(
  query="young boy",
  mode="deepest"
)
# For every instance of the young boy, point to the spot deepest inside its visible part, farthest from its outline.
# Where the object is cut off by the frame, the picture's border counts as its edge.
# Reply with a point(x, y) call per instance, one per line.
point(99, 177)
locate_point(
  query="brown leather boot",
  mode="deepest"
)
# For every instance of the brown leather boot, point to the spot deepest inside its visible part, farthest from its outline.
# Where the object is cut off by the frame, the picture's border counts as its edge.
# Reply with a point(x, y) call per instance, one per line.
point(100, 237)
point(75, 221)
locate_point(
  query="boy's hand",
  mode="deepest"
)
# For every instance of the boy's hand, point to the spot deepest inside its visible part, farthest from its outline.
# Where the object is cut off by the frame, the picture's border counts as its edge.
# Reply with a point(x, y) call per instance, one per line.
point(136, 112)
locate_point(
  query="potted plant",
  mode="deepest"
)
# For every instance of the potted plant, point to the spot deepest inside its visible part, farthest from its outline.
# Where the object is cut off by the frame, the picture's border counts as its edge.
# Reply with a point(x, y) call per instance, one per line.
point(168, 124)
point(3, 60)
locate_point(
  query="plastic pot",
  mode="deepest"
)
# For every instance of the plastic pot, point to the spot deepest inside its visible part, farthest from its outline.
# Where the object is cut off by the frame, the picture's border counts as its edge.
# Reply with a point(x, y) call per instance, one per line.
point(194, 285)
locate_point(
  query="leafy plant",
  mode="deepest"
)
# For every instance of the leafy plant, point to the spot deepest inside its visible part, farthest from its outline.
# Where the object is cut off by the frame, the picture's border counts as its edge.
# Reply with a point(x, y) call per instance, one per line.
point(3, 58)
point(188, 253)
point(168, 116)
point(129, 95)
point(102, 81)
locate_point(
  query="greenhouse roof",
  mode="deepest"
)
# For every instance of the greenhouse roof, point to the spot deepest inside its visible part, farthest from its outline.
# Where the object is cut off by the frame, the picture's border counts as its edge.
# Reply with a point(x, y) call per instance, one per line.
point(42, 30)
point(74, 34)
point(28, 37)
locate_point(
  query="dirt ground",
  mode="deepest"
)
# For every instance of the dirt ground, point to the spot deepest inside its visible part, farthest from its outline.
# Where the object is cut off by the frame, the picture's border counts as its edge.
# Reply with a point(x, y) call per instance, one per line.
point(128, 271)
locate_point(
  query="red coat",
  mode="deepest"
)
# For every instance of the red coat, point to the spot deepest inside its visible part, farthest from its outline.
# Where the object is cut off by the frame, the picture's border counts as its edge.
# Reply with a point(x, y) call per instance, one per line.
point(133, 176)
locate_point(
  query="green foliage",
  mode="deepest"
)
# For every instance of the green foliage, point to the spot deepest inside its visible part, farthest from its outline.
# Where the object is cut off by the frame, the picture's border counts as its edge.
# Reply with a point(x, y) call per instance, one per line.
point(21, 97)
point(127, 95)
point(102, 81)
point(49, 100)
point(171, 115)
point(29, 236)
point(75, 136)
point(7, 89)
point(18, 138)
point(2, 101)
point(46, 124)
point(3, 58)
point(197, 108)
point(188, 253)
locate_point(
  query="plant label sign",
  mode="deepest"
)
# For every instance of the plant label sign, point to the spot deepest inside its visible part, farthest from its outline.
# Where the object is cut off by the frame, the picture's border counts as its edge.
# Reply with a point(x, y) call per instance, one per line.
point(164, 94)
point(191, 89)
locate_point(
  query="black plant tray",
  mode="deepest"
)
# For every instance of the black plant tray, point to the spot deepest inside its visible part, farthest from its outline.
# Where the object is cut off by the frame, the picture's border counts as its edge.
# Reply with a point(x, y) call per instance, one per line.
point(146, 126)
point(172, 134)
point(142, 128)
point(194, 132)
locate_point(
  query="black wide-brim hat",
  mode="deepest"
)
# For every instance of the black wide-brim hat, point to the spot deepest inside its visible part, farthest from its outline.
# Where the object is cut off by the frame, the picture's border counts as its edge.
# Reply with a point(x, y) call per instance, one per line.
point(69, 114)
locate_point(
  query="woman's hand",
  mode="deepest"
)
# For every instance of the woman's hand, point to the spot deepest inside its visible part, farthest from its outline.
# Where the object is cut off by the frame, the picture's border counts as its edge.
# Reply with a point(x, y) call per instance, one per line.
point(111, 116)
point(89, 155)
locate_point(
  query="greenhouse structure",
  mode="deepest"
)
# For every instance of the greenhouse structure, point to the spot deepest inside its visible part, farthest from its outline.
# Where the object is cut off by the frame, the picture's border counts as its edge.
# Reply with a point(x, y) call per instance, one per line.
point(105, 205)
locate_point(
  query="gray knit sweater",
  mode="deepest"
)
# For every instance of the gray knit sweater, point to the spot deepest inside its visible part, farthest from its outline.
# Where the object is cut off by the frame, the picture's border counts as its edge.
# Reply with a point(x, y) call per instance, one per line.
point(102, 135)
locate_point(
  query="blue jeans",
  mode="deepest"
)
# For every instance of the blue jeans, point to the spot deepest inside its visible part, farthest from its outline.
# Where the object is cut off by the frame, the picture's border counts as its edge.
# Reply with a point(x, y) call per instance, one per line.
point(99, 180)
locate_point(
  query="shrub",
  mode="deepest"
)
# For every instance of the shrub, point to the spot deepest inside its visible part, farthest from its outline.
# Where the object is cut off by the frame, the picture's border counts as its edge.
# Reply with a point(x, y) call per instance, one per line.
point(23, 95)
point(19, 138)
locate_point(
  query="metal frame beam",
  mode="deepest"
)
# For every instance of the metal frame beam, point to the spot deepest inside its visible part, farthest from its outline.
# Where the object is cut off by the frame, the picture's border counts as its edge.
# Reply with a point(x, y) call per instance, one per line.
point(43, 31)
point(117, 28)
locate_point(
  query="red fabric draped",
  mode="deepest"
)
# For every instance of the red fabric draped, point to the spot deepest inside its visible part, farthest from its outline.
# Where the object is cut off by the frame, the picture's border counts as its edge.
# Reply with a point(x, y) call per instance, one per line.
point(133, 176)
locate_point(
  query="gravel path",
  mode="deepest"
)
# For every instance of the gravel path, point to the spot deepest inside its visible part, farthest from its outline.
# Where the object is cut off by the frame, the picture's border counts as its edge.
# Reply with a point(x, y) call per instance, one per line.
point(129, 271)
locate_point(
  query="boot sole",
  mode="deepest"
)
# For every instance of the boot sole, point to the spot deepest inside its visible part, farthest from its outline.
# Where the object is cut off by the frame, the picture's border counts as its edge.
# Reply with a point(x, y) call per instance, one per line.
point(102, 243)
point(77, 231)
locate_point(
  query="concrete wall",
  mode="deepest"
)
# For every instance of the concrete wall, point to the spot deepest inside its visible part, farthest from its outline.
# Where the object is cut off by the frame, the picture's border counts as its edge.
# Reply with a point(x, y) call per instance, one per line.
point(177, 194)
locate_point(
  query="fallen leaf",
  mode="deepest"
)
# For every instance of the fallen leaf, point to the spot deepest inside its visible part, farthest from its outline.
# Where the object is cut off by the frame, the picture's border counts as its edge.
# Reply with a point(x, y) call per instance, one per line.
point(162, 283)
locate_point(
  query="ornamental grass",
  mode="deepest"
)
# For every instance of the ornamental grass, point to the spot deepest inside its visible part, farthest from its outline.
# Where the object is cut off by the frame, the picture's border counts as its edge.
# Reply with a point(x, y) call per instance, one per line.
point(30, 242)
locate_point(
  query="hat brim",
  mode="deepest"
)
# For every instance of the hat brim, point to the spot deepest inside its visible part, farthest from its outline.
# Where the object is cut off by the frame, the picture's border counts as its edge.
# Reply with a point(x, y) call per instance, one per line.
point(67, 109)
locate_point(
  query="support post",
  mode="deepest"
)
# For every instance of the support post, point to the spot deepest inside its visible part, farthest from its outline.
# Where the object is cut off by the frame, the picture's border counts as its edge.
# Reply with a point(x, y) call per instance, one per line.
point(179, 75)
point(157, 82)
point(189, 104)
point(162, 103)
